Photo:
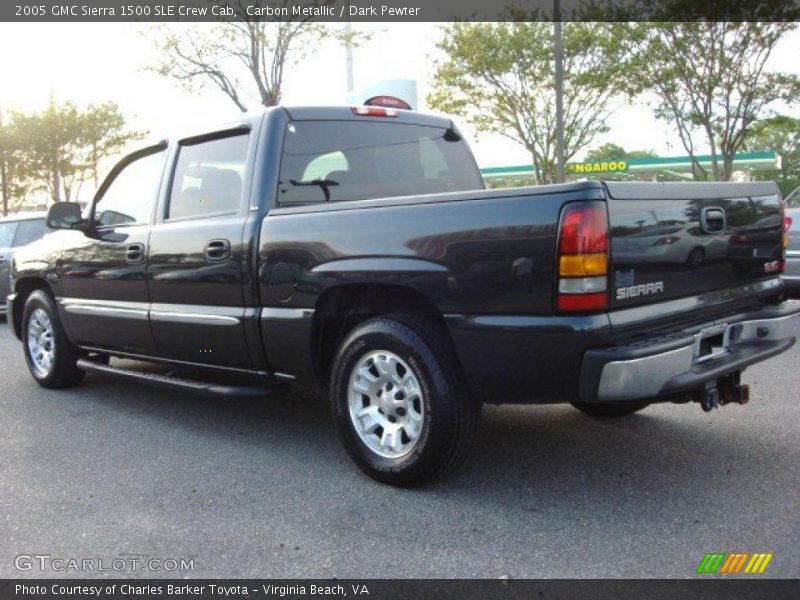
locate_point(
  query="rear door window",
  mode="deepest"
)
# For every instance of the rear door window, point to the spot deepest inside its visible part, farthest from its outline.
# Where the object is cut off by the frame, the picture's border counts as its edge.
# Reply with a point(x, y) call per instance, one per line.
point(208, 177)
point(350, 160)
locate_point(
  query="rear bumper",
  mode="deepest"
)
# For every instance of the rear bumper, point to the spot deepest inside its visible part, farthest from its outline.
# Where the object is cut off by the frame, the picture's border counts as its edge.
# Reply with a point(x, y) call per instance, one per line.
point(672, 365)
point(791, 276)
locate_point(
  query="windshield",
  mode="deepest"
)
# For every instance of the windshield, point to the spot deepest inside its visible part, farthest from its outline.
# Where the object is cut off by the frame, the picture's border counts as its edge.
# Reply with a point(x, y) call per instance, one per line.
point(7, 233)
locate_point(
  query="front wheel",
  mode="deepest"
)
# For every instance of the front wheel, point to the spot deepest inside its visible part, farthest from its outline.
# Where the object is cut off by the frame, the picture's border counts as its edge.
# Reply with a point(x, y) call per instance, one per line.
point(51, 357)
point(400, 404)
point(610, 409)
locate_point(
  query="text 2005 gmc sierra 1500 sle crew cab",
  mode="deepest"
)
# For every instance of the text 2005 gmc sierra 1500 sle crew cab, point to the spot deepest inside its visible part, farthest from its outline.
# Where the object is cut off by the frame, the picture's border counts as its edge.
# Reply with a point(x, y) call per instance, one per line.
point(356, 250)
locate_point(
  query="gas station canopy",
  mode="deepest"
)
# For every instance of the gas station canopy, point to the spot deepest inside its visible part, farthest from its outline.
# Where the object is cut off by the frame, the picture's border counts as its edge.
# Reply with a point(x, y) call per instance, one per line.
point(651, 168)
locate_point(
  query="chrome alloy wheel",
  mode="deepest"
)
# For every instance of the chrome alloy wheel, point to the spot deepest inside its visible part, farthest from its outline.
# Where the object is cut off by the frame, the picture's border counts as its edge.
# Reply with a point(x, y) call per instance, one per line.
point(386, 404)
point(41, 342)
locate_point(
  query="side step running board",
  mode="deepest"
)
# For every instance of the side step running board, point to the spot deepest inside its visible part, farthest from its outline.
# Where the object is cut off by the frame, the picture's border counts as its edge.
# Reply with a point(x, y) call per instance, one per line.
point(186, 385)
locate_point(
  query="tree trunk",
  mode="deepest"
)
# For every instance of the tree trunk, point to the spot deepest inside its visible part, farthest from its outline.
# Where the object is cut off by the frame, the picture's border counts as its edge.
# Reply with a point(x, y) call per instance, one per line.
point(727, 167)
point(4, 177)
point(4, 174)
point(56, 183)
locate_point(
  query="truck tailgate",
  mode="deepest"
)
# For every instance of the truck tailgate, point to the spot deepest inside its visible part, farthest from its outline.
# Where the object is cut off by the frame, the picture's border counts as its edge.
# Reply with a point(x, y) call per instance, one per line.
point(670, 240)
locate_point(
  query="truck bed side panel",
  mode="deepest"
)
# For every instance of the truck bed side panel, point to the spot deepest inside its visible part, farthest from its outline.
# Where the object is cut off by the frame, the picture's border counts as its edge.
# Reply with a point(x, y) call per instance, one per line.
point(504, 266)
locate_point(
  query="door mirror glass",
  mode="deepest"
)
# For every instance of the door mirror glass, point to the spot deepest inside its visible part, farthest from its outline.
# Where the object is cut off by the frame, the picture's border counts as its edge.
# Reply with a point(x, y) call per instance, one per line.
point(64, 215)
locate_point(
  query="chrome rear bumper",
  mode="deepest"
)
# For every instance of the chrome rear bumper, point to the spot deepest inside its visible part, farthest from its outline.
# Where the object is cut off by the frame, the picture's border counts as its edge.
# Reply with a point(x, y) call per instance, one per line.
point(683, 363)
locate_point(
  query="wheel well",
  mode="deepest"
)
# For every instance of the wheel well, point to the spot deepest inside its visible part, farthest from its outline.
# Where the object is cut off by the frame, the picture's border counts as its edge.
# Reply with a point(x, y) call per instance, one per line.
point(24, 288)
point(343, 307)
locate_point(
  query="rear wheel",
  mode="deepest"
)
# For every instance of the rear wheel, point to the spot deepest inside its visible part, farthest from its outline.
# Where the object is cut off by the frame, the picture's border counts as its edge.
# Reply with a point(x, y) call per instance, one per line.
point(610, 409)
point(51, 357)
point(398, 398)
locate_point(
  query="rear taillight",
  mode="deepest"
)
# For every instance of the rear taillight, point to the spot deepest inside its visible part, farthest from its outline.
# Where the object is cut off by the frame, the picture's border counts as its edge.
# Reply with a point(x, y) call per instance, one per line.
point(583, 258)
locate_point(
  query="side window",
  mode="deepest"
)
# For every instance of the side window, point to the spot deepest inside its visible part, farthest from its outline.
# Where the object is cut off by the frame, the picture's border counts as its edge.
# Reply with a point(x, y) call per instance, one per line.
point(7, 230)
point(208, 178)
point(29, 231)
point(133, 193)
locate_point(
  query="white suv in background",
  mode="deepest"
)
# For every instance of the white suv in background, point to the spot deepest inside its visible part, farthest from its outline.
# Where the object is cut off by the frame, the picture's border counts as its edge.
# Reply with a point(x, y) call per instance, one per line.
point(15, 231)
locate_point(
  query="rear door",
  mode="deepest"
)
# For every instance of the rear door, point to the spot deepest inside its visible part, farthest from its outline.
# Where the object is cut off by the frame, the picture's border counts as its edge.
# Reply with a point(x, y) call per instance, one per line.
point(196, 265)
point(682, 239)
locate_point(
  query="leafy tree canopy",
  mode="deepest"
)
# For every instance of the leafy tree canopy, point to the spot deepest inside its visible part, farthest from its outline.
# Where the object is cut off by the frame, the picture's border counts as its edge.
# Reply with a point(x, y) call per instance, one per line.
point(59, 148)
point(710, 81)
point(500, 78)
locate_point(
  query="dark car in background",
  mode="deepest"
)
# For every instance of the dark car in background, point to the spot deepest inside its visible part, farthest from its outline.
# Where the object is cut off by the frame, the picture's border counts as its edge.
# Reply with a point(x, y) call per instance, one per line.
point(791, 276)
point(15, 231)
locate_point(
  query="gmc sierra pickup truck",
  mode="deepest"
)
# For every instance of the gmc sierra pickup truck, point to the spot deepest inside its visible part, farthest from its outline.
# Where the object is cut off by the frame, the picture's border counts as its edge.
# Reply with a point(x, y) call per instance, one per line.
point(356, 250)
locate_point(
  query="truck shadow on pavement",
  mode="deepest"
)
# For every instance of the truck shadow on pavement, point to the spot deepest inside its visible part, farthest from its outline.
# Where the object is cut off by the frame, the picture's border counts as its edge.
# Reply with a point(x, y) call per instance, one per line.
point(661, 452)
point(545, 490)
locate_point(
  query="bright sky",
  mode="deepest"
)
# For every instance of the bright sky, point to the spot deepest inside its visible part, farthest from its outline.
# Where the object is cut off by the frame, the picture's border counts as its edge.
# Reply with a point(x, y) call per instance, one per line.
point(95, 62)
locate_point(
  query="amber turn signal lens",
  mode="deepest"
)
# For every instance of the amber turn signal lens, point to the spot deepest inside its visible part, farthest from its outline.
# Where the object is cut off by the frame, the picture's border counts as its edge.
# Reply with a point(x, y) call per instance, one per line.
point(583, 265)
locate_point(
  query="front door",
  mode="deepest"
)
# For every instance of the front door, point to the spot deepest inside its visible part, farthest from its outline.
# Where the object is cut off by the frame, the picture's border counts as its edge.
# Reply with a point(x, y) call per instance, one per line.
point(104, 273)
point(196, 263)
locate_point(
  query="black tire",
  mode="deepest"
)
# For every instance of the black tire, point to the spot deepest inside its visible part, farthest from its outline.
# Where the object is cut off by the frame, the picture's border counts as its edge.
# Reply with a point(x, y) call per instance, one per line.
point(610, 409)
point(448, 413)
point(63, 371)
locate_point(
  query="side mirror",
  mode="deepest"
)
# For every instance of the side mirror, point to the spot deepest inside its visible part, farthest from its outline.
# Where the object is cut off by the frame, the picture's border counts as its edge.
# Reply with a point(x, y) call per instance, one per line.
point(64, 215)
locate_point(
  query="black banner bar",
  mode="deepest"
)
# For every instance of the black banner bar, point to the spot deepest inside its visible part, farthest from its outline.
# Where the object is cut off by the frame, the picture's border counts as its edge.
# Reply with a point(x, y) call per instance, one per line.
point(742, 588)
point(393, 10)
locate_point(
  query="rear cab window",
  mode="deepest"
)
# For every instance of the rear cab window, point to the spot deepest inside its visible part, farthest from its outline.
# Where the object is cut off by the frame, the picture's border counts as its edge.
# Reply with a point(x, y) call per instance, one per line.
point(335, 161)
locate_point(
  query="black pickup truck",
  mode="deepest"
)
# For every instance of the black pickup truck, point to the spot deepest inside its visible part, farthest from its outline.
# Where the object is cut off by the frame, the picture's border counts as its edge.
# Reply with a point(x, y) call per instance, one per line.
point(356, 250)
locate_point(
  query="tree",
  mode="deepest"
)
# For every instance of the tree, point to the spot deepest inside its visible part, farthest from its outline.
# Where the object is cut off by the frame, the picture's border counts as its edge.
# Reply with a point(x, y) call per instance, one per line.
point(16, 179)
point(499, 77)
point(709, 79)
point(104, 134)
point(780, 134)
point(244, 59)
point(611, 151)
point(4, 150)
point(57, 149)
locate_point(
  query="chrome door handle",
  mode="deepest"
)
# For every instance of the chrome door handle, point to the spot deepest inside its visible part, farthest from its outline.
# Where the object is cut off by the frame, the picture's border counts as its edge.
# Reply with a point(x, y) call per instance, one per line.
point(134, 253)
point(218, 250)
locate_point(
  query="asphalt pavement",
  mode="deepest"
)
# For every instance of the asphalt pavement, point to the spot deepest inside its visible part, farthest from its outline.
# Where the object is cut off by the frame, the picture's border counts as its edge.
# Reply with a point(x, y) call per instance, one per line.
point(112, 470)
